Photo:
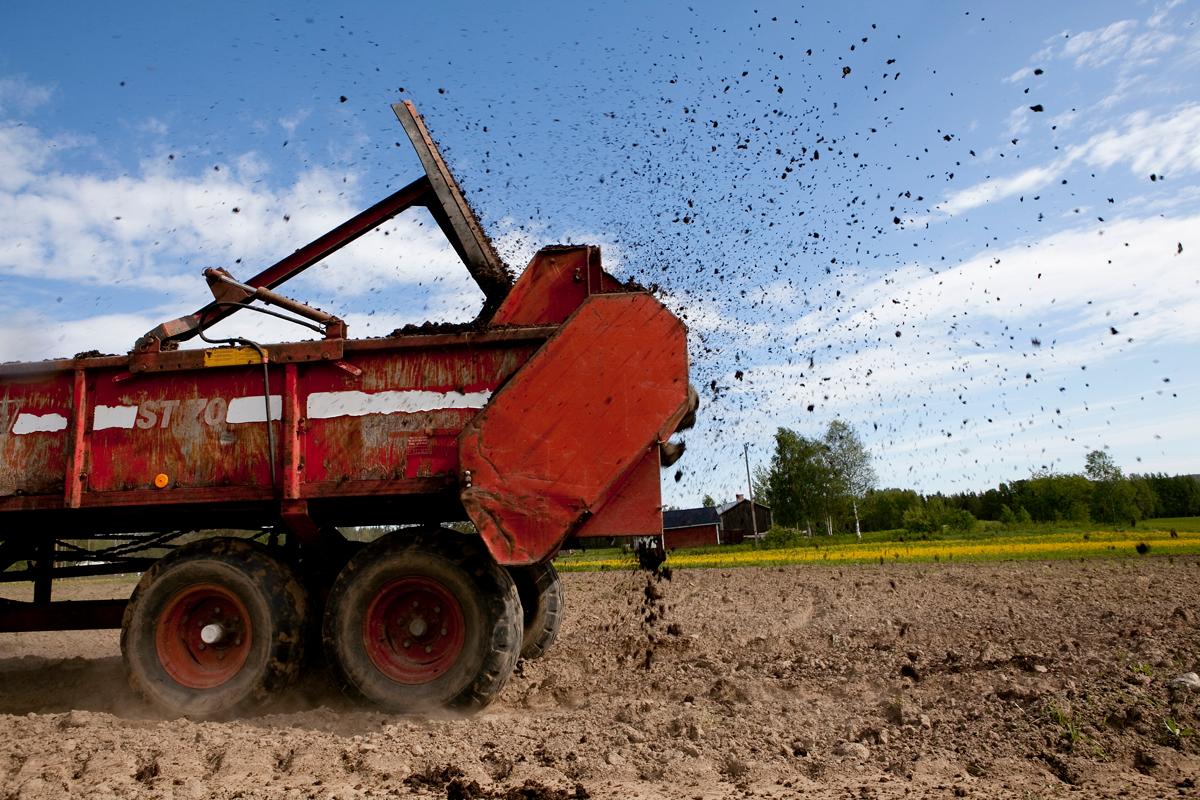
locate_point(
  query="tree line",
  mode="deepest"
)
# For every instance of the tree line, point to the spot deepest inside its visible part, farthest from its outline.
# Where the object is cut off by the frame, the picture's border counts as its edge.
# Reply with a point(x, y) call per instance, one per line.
point(814, 483)
point(827, 484)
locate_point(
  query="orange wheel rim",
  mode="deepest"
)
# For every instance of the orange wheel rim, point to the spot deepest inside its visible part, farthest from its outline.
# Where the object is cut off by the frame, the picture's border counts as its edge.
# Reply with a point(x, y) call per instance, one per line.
point(414, 630)
point(203, 636)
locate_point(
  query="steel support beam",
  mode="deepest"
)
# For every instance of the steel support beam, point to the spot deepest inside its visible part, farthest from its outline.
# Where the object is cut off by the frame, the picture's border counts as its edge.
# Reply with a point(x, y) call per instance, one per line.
point(74, 615)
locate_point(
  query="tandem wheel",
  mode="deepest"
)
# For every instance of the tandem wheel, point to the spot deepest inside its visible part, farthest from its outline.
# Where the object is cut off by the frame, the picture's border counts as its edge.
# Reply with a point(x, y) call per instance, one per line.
point(213, 628)
point(542, 603)
point(423, 618)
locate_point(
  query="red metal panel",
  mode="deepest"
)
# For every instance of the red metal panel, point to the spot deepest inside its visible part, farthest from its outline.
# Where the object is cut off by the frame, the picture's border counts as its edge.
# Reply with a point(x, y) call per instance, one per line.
point(77, 448)
point(200, 428)
point(364, 433)
point(550, 289)
point(177, 423)
point(33, 446)
point(292, 432)
point(634, 508)
point(553, 443)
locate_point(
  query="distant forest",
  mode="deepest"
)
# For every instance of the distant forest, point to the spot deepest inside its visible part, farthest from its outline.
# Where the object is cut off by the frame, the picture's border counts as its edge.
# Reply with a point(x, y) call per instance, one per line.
point(1041, 498)
point(827, 485)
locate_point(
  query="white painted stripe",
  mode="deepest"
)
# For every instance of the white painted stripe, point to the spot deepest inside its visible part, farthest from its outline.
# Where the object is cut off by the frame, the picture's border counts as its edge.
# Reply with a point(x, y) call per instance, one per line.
point(113, 417)
point(253, 409)
point(324, 405)
point(38, 423)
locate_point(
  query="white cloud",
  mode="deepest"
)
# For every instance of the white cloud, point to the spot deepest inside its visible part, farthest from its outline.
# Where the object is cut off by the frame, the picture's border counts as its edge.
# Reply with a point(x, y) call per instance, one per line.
point(155, 228)
point(1161, 12)
point(163, 224)
point(1130, 265)
point(20, 96)
point(1020, 75)
point(1101, 46)
point(967, 330)
point(32, 336)
point(1147, 47)
point(947, 405)
point(1133, 50)
point(999, 188)
point(23, 153)
point(1018, 121)
point(1168, 145)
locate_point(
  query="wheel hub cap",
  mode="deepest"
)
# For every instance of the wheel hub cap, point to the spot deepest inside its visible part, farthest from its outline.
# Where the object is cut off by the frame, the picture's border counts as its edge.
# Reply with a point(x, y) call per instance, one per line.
point(413, 630)
point(203, 636)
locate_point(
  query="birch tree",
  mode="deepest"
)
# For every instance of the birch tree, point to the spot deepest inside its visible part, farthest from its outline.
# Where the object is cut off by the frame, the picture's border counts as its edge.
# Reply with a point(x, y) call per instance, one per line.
point(849, 464)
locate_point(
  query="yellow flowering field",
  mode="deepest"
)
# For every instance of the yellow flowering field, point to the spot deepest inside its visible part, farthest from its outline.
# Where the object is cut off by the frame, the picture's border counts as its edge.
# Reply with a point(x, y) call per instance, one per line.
point(1089, 544)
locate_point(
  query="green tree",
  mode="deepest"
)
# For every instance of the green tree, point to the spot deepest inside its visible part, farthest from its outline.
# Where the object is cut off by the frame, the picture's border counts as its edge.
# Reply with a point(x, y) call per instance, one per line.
point(708, 501)
point(934, 515)
point(1049, 497)
point(1144, 499)
point(798, 482)
point(850, 465)
point(883, 509)
point(1114, 497)
point(1011, 517)
point(1175, 496)
point(1099, 466)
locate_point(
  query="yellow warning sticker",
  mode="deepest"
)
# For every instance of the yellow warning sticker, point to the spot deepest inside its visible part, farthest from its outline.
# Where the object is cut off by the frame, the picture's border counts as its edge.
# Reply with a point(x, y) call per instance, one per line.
point(231, 357)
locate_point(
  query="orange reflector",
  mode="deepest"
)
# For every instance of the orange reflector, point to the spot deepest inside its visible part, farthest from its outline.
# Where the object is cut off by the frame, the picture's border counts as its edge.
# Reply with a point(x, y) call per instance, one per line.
point(161, 480)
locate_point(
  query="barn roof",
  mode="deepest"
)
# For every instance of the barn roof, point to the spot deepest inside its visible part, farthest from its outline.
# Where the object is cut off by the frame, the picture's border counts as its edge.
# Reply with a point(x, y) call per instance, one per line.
point(726, 507)
point(686, 517)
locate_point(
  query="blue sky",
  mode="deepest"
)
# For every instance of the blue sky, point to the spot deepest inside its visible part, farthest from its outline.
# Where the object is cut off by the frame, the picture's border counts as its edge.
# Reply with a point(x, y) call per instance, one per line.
point(855, 206)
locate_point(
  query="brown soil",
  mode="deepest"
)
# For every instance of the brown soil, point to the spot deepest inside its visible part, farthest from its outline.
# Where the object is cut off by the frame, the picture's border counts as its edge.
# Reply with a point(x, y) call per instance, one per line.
point(991, 681)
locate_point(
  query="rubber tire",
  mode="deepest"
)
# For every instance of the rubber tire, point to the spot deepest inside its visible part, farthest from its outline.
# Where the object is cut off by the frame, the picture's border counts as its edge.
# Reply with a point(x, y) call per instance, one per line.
point(542, 603)
point(491, 616)
point(273, 598)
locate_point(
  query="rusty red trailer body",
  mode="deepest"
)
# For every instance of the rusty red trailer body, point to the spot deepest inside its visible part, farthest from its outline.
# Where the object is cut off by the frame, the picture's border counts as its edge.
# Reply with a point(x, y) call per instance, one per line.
point(541, 420)
point(557, 414)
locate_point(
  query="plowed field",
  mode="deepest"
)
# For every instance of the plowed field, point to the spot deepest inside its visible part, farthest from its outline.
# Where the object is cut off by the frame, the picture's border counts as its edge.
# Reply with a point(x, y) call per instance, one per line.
point(981, 680)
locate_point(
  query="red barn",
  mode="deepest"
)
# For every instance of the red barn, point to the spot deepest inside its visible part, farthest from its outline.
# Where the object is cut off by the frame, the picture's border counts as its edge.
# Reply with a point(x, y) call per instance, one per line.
point(691, 527)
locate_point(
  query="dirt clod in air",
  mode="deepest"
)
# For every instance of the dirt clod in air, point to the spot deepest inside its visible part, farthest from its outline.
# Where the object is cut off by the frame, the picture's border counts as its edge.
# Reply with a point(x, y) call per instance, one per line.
point(652, 606)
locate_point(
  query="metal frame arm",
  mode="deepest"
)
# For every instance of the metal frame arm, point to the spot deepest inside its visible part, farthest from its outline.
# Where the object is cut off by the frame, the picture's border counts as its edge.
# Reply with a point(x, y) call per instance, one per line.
point(436, 190)
point(417, 193)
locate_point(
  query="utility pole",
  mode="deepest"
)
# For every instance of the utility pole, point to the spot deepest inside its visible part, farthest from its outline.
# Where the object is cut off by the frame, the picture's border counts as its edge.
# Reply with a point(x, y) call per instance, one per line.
point(750, 488)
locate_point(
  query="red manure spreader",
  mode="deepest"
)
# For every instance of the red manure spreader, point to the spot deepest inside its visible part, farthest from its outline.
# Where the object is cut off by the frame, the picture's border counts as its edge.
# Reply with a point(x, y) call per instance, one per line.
point(224, 473)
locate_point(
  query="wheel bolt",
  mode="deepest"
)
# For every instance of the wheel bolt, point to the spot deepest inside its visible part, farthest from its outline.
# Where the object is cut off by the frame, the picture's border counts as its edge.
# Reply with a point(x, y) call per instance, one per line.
point(407, 643)
point(443, 631)
point(202, 645)
point(428, 649)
